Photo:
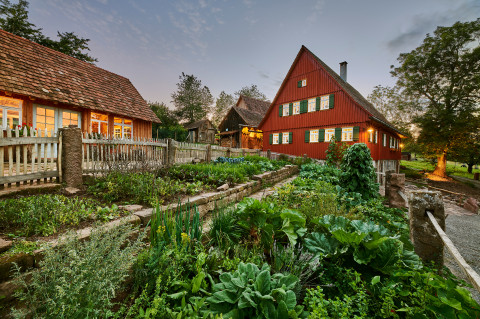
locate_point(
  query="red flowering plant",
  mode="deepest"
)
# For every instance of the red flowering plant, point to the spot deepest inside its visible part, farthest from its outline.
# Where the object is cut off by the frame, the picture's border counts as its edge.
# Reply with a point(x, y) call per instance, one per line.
point(26, 130)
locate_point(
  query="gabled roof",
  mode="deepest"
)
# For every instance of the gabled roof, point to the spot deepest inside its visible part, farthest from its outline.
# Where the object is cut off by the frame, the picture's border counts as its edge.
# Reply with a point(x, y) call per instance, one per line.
point(350, 90)
point(251, 118)
point(30, 69)
point(254, 105)
point(196, 124)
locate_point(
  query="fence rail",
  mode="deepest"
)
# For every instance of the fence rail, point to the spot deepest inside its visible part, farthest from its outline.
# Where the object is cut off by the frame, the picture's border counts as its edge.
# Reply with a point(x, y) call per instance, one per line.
point(472, 276)
point(27, 155)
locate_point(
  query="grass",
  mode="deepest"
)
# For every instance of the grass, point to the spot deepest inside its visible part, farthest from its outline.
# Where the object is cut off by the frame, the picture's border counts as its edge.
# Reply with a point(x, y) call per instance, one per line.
point(453, 169)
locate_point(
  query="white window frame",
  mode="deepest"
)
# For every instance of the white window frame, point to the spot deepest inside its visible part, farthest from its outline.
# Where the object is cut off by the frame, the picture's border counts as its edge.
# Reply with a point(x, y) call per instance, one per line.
point(99, 123)
point(325, 102)
point(275, 138)
point(347, 134)
point(296, 107)
point(329, 134)
point(286, 110)
point(123, 126)
point(304, 83)
point(63, 111)
point(376, 137)
point(4, 109)
point(286, 138)
point(312, 104)
point(314, 136)
point(392, 142)
point(385, 138)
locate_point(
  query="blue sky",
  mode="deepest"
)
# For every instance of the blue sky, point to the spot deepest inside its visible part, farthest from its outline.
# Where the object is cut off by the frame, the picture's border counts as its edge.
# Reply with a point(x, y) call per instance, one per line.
point(231, 44)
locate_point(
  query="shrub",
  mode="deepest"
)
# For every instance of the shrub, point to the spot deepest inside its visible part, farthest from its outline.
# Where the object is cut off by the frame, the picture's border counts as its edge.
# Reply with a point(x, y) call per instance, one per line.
point(335, 152)
point(79, 279)
point(357, 172)
point(224, 229)
point(44, 214)
point(324, 173)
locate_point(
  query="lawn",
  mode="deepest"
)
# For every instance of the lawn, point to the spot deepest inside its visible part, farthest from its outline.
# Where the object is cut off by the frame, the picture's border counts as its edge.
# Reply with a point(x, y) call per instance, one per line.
point(319, 247)
point(453, 168)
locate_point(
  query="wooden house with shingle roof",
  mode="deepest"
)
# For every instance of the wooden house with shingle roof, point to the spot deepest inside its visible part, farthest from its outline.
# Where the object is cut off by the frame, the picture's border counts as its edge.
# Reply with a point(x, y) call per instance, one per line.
point(314, 104)
point(46, 89)
point(239, 126)
point(202, 131)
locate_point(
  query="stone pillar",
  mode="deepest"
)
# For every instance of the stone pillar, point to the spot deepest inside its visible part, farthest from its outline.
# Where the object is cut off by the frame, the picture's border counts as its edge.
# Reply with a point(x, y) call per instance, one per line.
point(72, 156)
point(208, 156)
point(243, 152)
point(426, 241)
point(395, 186)
point(229, 152)
point(269, 154)
point(171, 151)
point(388, 177)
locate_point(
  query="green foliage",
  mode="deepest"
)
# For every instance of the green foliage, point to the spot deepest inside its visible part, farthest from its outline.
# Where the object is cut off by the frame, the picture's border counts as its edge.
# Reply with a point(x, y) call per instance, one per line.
point(251, 91)
point(45, 214)
point(252, 292)
point(324, 173)
point(168, 126)
point(79, 279)
point(224, 229)
point(222, 105)
point(335, 152)
point(14, 19)
point(358, 174)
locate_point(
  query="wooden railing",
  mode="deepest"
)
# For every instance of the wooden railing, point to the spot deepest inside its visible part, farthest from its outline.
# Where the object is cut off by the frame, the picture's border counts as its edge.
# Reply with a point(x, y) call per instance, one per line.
point(27, 155)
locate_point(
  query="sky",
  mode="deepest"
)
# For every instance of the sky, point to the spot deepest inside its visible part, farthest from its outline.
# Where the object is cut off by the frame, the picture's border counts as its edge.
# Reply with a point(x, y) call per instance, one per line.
point(232, 44)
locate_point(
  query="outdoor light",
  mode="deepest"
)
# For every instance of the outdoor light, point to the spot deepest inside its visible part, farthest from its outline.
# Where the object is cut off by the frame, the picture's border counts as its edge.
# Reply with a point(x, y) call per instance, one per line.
point(370, 130)
point(401, 145)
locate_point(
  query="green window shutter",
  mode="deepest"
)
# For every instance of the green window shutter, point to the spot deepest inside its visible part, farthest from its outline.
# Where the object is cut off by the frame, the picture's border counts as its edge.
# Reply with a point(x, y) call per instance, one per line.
point(317, 104)
point(290, 137)
point(303, 106)
point(279, 138)
point(270, 139)
point(290, 109)
point(338, 134)
point(299, 84)
point(307, 136)
point(280, 110)
point(356, 133)
point(321, 135)
point(331, 101)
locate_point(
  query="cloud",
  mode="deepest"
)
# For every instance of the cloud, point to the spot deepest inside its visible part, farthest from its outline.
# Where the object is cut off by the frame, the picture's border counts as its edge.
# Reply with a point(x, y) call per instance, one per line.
point(317, 11)
point(427, 23)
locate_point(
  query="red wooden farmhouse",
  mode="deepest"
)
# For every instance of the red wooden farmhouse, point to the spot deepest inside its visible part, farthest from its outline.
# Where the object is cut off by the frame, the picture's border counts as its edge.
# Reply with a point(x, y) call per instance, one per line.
point(314, 104)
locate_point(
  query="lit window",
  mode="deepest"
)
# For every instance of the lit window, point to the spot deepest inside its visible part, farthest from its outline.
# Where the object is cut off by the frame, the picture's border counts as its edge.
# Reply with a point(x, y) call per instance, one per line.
point(285, 110)
point(324, 102)
point(285, 138)
point(375, 137)
point(314, 136)
point(329, 134)
point(347, 134)
point(69, 118)
point(371, 136)
point(10, 112)
point(99, 123)
point(296, 107)
point(45, 120)
point(275, 138)
point(311, 105)
point(123, 128)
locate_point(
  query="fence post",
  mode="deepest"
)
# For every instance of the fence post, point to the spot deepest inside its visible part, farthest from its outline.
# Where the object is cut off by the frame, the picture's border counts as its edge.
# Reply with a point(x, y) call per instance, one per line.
point(426, 241)
point(394, 189)
point(388, 177)
point(72, 170)
point(171, 152)
point(243, 152)
point(269, 154)
point(208, 156)
point(229, 152)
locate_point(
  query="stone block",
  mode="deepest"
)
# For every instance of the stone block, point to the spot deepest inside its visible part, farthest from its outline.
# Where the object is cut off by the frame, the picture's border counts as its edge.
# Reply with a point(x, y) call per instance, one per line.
point(145, 215)
point(23, 260)
point(471, 204)
point(5, 245)
point(71, 190)
point(131, 208)
point(7, 291)
point(222, 188)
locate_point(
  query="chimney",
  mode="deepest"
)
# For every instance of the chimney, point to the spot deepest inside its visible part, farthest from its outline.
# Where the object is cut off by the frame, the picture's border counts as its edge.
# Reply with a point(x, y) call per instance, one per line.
point(343, 70)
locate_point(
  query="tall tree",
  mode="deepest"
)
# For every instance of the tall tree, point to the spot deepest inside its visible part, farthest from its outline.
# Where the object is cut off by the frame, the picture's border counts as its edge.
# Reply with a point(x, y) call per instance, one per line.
point(445, 71)
point(169, 126)
point(251, 91)
point(14, 19)
point(192, 100)
point(222, 105)
point(466, 148)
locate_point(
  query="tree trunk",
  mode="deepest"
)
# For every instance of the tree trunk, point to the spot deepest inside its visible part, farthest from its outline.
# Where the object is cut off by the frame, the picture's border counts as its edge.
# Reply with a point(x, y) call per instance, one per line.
point(470, 168)
point(441, 168)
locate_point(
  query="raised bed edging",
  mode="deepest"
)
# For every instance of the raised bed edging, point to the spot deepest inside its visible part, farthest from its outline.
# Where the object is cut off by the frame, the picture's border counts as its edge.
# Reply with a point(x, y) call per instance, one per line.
point(205, 203)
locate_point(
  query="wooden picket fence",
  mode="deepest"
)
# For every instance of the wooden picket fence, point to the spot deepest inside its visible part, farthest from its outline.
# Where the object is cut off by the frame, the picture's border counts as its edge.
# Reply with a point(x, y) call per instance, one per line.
point(28, 156)
point(102, 154)
point(187, 152)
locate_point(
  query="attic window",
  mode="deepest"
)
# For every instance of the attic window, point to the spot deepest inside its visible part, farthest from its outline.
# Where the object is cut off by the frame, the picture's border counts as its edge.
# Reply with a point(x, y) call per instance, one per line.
point(302, 83)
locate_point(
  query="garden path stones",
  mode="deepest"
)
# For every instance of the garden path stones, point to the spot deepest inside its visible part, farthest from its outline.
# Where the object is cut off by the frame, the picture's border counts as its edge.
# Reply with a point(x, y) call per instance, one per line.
point(222, 188)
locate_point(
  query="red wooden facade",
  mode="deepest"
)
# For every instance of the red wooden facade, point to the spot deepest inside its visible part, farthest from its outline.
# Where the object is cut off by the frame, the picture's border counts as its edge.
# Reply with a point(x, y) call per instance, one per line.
point(350, 109)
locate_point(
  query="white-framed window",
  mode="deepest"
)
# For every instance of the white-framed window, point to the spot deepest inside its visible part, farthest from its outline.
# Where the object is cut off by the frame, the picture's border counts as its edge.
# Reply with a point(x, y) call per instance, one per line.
point(329, 134)
point(286, 110)
point(325, 102)
point(314, 136)
point(296, 107)
point(285, 138)
point(123, 128)
point(371, 136)
point(10, 112)
point(275, 138)
point(99, 123)
point(70, 118)
point(304, 82)
point(46, 120)
point(384, 140)
point(375, 137)
point(311, 105)
point(392, 142)
point(347, 134)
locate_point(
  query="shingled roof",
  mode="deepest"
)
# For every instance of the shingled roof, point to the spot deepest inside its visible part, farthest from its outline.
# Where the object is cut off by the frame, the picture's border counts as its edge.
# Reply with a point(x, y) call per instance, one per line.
point(350, 90)
point(251, 118)
point(30, 69)
point(196, 124)
point(255, 105)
